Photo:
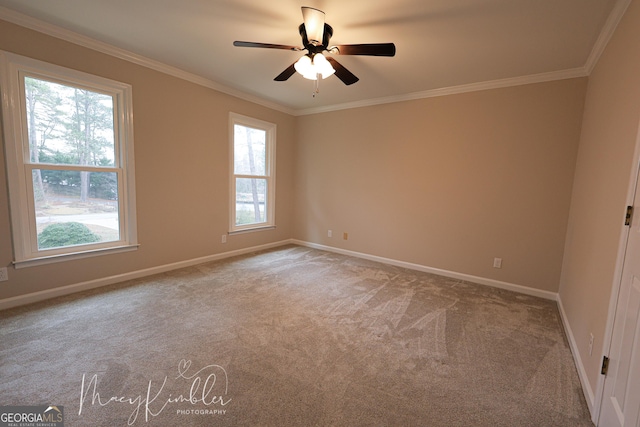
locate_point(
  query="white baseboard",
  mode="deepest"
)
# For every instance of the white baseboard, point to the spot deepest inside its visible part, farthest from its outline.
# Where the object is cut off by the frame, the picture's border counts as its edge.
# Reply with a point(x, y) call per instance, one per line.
point(446, 273)
point(92, 284)
point(582, 373)
point(69, 289)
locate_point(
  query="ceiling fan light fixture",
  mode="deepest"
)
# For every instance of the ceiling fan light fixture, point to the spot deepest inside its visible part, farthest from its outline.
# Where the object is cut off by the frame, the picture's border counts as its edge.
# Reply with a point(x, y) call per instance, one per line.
point(304, 66)
point(313, 24)
point(322, 66)
point(310, 68)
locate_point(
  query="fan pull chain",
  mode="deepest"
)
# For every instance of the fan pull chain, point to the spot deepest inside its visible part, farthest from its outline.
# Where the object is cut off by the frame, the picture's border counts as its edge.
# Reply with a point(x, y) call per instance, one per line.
point(316, 88)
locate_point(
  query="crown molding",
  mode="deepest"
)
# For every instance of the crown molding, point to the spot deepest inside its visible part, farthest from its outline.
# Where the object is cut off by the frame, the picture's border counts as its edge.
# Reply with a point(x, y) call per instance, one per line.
point(609, 28)
point(453, 90)
point(88, 42)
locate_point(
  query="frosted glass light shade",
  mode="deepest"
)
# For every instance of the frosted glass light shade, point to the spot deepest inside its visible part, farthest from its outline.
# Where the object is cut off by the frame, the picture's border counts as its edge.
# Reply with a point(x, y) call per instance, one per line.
point(310, 68)
point(313, 24)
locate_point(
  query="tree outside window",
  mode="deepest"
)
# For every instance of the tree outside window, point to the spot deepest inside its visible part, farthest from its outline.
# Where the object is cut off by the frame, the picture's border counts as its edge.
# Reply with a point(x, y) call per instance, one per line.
point(71, 140)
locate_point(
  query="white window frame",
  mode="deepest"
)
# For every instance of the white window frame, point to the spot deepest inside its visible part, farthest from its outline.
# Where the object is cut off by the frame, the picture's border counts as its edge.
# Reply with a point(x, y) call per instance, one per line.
point(13, 69)
point(270, 173)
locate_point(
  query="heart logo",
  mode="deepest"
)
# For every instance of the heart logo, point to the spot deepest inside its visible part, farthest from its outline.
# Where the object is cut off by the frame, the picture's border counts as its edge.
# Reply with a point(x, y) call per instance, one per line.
point(183, 366)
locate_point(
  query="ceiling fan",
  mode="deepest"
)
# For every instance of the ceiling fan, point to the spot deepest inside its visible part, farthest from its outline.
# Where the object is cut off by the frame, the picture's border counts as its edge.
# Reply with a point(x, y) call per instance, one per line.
point(315, 39)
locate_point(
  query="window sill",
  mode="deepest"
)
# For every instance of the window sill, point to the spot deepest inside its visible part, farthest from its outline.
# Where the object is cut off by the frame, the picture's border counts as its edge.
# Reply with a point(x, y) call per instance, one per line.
point(72, 256)
point(252, 229)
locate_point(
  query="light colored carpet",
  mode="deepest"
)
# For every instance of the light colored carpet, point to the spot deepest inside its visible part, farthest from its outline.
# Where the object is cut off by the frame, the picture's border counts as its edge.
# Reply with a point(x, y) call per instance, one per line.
point(293, 337)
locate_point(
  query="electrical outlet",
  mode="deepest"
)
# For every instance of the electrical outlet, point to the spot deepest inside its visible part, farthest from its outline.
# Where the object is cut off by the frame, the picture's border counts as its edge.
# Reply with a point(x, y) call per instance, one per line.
point(4, 275)
point(345, 236)
point(329, 233)
point(497, 263)
point(590, 344)
point(224, 238)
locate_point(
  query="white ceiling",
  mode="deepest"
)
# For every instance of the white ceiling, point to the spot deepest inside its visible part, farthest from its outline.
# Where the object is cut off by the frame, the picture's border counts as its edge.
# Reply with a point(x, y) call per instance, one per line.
point(440, 43)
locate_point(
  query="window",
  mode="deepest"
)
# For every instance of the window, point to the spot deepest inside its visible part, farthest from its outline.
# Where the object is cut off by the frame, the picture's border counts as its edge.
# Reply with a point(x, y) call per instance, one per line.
point(253, 173)
point(69, 145)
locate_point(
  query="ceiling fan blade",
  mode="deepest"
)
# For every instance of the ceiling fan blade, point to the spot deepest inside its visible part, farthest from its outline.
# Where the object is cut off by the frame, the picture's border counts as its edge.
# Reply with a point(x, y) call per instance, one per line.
point(266, 45)
point(372, 49)
point(290, 71)
point(313, 24)
point(342, 73)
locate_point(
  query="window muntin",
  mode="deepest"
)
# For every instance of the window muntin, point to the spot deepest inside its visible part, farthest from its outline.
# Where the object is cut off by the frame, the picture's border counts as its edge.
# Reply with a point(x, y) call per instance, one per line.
point(70, 161)
point(253, 173)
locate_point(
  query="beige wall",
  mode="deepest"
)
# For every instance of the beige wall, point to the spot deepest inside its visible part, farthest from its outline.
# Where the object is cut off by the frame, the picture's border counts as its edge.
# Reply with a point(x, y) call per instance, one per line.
point(609, 131)
point(181, 154)
point(447, 182)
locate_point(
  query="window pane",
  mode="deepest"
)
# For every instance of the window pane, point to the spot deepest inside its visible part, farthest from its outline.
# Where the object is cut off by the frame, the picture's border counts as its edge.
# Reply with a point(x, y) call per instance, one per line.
point(249, 151)
point(68, 125)
point(75, 208)
point(251, 194)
